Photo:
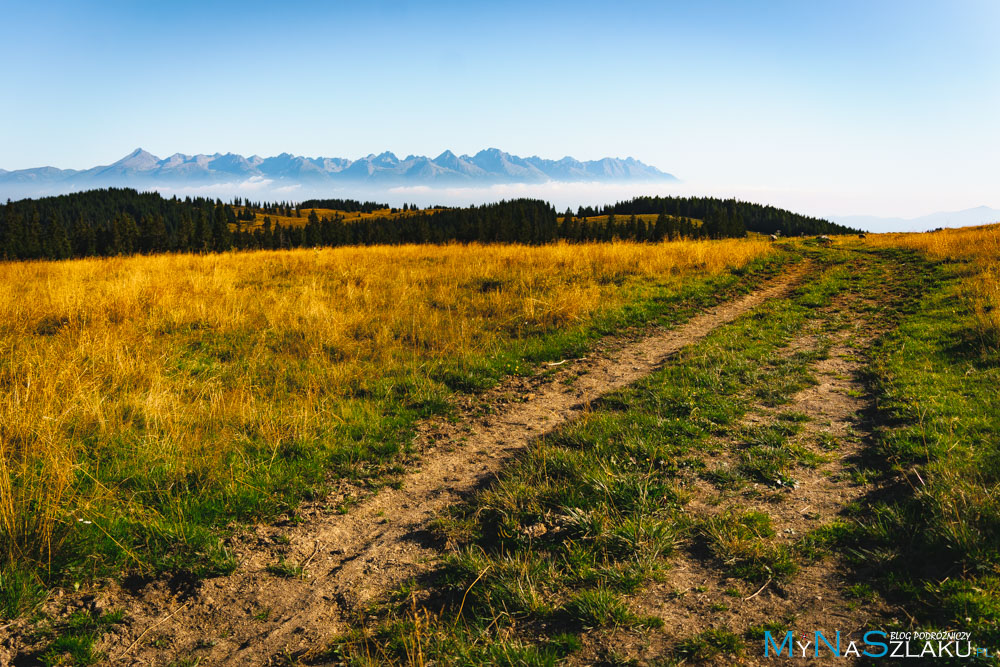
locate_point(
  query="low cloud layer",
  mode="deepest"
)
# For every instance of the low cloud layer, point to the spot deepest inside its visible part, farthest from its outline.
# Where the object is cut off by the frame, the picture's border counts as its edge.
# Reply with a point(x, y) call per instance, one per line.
point(853, 208)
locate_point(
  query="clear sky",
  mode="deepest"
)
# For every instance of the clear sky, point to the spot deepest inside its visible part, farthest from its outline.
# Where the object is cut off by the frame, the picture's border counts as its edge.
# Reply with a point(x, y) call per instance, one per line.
point(841, 106)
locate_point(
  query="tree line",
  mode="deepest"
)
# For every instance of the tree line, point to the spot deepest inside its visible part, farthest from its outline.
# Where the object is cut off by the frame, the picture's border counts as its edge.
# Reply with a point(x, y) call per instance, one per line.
point(346, 205)
point(122, 221)
point(727, 215)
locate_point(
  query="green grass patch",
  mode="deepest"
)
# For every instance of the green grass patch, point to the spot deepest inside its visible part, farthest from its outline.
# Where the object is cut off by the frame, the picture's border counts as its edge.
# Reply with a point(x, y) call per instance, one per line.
point(933, 545)
point(286, 569)
point(742, 543)
point(710, 644)
point(71, 641)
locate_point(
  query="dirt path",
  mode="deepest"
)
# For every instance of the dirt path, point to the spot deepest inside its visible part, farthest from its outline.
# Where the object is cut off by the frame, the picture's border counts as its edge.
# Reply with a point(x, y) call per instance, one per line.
point(256, 616)
point(698, 595)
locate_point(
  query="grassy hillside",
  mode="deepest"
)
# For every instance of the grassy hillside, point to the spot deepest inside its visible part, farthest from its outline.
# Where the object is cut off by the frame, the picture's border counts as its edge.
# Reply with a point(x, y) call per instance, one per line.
point(824, 457)
point(684, 519)
point(303, 218)
point(648, 218)
point(978, 249)
point(150, 401)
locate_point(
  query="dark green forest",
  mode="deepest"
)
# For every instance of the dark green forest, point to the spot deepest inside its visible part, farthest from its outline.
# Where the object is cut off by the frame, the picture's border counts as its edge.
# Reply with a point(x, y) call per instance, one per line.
point(728, 215)
point(119, 221)
point(346, 205)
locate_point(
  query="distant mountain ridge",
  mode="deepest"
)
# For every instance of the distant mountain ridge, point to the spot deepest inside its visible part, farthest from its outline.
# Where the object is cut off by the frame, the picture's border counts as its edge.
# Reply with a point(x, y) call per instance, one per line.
point(980, 215)
point(490, 166)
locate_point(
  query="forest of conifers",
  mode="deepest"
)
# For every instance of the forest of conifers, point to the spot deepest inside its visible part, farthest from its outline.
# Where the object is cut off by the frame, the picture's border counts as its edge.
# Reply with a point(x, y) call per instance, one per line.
point(120, 221)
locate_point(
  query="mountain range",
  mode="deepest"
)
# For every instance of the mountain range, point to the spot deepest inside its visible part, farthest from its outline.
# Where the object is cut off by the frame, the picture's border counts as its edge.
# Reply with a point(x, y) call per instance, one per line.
point(144, 170)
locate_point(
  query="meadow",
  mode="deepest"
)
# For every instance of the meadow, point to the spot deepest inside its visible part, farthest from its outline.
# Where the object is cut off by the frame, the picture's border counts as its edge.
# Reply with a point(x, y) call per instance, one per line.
point(648, 218)
point(651, 530)
point(936, 379)
point(979, 249)
point(300, 220)
point(842, 431)
point(329, 213)
point(151, 402)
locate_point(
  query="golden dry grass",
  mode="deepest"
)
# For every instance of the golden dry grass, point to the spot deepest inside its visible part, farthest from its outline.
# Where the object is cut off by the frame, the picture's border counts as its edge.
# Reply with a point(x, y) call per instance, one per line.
point(980, 246)
point(347, 216)
point(130, 387)
point(645, 217)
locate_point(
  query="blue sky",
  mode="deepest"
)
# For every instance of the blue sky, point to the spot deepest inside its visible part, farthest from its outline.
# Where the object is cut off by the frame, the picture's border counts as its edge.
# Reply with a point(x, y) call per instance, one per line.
point(885, 107)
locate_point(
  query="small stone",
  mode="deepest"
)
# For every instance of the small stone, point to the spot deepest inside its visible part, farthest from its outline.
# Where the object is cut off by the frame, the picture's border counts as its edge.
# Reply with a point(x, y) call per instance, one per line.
point(536, 530)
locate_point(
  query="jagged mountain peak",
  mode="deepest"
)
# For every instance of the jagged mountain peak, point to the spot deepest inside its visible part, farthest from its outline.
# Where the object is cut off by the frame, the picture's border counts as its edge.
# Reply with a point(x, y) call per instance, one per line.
point(139, 152)
point(138, 159)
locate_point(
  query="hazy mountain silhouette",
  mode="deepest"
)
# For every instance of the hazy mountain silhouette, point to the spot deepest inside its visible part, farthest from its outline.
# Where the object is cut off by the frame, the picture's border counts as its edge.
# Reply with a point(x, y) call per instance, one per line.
point(980, 215)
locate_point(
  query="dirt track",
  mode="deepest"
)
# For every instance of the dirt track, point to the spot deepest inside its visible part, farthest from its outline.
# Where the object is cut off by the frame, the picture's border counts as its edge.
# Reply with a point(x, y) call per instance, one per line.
point(692, 595)
point(253, 616)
